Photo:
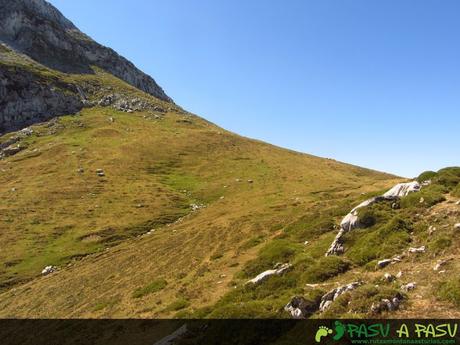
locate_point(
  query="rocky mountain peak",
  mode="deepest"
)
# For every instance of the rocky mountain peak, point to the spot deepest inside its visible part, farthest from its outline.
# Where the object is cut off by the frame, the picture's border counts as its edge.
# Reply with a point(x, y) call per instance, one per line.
point(37, 29)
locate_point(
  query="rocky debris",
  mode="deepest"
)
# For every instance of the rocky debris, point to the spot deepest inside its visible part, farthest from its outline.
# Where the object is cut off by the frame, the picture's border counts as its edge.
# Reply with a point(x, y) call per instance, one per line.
point(351, 220)
point(387, 304)
point(196, 207)
point(39, 30)
point(457, 226)
point(48, 270)
point(457, 203)
point(387, 277)
point(277, 270)
point(80, 170)
point(250, 181)
point(332, 295)
point(417, 250)
point(300, 308)
point(431, 230)
point(128, 105)
point(12, 146)
point(441, 263)
point(399, 274)
point(385, 262)
point(100, 172)
point(409, 287)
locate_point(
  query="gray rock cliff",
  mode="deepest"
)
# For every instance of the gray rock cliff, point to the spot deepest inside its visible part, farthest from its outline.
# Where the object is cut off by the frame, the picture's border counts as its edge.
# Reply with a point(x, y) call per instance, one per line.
point(37, 29)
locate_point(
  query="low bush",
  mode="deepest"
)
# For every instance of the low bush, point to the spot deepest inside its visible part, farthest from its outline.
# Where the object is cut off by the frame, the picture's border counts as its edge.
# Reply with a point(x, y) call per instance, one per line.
point(276, 251)
point(325, 268)
point(449, 291)
point(154, 286)
point(380, 241)
point(427, 197)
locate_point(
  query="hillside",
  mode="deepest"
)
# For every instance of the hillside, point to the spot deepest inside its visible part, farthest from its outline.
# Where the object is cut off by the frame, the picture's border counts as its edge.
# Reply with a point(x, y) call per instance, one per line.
point(118, 203)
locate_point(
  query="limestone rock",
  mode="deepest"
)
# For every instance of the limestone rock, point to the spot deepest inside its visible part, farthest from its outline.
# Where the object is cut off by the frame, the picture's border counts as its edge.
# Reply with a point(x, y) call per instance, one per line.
point(39, 30)
point(48, 270)
point(300, 308)
point(332, 295)
point(278, 270)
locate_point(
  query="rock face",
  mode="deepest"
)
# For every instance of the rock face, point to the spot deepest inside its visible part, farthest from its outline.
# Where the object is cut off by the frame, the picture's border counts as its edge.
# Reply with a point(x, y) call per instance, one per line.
point(37, 29)
point(278, 270)
point(351, 220)
point(26, 99)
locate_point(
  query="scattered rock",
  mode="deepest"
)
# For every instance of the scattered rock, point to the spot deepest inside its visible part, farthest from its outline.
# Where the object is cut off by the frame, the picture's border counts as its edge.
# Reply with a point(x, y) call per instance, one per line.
point(48, 270)
point(305, 243)
point(441, 263)
point(408, 287)
point(100, 172)
point(457, 203)
point(417, 250)
point(389, 277)
point(196, 207)
point(457, 226)
point(250, 181)
point(384, 263)
point(332, 295)
point(300, 308)
point(431, 230)
point(387, 304)
point(278, 270)
point(399, 275)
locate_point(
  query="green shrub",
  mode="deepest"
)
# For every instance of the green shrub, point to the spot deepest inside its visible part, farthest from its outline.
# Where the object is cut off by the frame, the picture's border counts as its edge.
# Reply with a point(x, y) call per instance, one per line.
point(381, 241)
point(154, 286)
point(431, 195)
point(179, 304)
point(440, 244)
point(456, 191)
point(325, 268)
point(377, 213)
point(426, 175)
point(276, 251)
point(450, 291)
point(448, 177)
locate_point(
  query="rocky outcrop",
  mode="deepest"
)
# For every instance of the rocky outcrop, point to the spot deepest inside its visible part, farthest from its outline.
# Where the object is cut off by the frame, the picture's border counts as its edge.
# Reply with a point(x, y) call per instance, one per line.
point(300, 308)
point(332, 295)
point(38, 30)
point(351, 220)
point(387, 304)
point(278, 270)
point(26, 99)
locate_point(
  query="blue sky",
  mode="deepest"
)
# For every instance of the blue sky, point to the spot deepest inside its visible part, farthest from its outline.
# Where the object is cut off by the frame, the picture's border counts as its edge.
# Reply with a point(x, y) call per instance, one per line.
point(373, 83)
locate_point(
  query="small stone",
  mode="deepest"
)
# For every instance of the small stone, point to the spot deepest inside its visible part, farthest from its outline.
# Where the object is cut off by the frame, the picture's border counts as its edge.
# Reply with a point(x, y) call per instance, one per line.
point(399, 275)
point(48, 270)
point(306, 243)
point(389, 277)
point(408, 287)
point(457, 226)
point(250, 181)
point(383, 263)
point(417, 250)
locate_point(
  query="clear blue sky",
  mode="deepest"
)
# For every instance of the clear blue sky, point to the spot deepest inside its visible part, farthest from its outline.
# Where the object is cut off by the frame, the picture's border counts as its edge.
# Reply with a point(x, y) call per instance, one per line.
point(373, 83)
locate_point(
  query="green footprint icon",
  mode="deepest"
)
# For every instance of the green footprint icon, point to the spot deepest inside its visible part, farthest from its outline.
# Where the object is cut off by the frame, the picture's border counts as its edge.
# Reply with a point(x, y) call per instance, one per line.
point(339, 330)
point(323, 331)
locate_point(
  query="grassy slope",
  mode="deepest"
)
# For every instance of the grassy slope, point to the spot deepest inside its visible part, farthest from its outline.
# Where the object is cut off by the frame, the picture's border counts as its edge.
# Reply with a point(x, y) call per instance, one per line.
point(94, 228)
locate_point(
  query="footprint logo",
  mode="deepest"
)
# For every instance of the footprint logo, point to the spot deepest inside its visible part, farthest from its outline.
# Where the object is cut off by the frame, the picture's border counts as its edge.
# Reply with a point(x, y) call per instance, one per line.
point(322, 331)
point(339, 330)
